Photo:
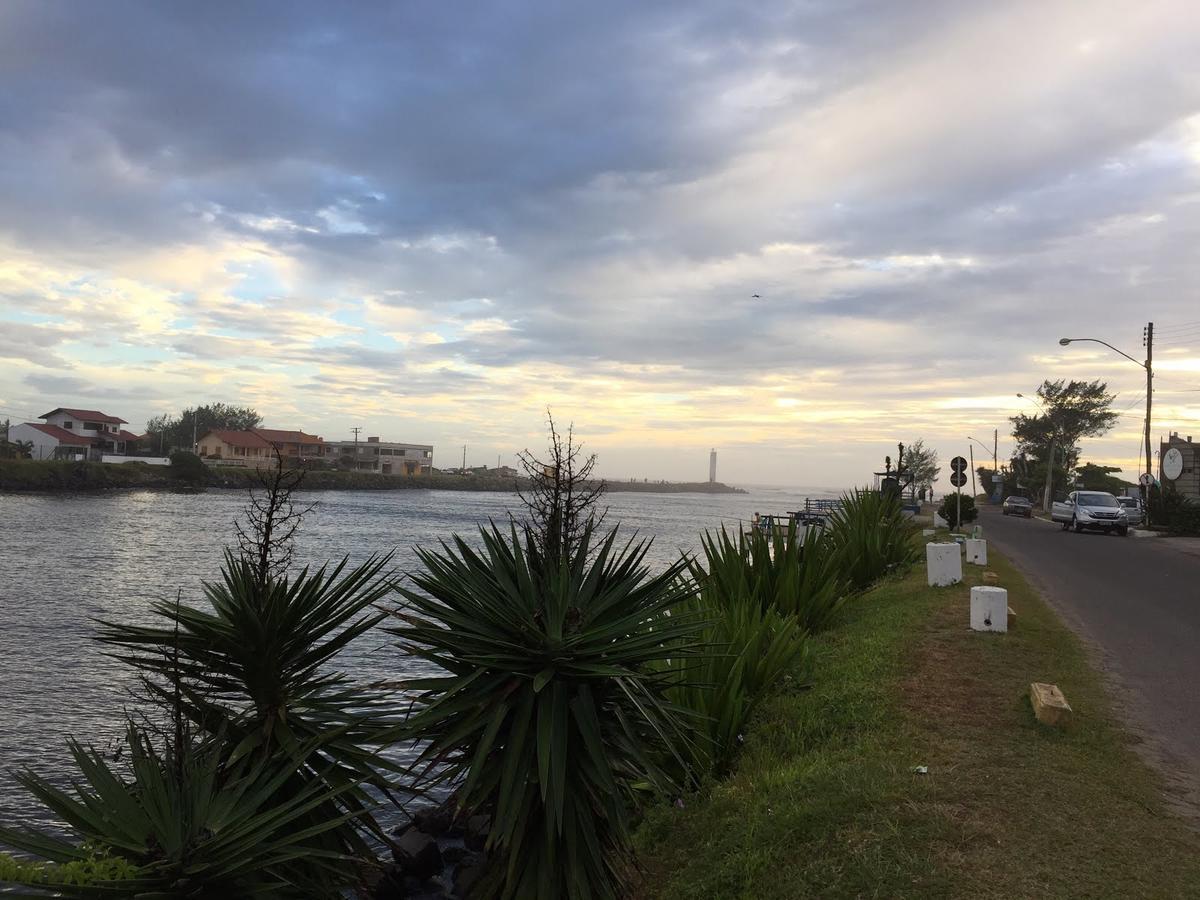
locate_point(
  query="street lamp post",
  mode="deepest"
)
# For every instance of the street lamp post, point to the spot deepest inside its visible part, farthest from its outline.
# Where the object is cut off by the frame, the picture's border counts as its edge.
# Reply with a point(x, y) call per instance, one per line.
point(1148, 365)
point(986, 449)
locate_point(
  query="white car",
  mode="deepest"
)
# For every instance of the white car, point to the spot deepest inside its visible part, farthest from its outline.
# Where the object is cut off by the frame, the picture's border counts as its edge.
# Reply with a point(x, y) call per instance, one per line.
point(1091, 509)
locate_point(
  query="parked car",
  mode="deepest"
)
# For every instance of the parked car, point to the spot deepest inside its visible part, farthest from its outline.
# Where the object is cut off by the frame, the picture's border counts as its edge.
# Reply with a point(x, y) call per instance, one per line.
point(1133, 509)
point(1091, 509)
point(1017, 506)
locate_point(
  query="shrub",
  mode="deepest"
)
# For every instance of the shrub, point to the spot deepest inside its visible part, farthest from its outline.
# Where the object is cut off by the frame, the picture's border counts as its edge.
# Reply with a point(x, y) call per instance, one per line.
point(950, 507)
point(869, 537)
point(794, 574)
point(746, 650)
point(552, 713)
point(188, 467)
point(183, 824)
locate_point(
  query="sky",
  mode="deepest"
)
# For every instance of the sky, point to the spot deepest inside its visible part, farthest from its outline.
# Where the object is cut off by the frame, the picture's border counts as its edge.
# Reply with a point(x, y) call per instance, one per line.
point(798, 232)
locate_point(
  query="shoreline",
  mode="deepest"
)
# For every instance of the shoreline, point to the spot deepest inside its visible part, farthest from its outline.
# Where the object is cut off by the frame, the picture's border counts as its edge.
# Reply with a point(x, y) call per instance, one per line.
point(63, 477)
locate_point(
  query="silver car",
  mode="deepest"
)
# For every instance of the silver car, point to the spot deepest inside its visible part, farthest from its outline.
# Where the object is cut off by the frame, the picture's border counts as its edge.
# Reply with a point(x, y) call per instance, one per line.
point(1091, 509)
point(1133, 509)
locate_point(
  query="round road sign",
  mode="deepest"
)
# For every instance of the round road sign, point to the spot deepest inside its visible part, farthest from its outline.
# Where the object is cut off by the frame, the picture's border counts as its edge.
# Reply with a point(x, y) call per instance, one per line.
point(958, 479)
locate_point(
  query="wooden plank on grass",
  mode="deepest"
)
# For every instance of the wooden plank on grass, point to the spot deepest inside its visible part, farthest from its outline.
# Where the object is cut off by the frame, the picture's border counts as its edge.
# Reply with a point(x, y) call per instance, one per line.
point(1049, 704)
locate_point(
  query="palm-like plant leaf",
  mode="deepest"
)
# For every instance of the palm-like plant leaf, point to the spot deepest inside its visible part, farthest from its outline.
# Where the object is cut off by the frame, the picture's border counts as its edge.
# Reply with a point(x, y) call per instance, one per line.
point(257, 667)
point(553, 707)
point(795, 573)
point(870, 537)
point(188, 826)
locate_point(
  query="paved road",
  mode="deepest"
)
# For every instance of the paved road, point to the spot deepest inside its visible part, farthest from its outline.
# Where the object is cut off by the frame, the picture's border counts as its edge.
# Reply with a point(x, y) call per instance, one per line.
point(1137, 601)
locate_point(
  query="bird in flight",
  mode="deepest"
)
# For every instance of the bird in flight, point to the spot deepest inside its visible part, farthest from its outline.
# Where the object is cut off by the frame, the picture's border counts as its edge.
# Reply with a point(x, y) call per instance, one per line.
point(755, 297)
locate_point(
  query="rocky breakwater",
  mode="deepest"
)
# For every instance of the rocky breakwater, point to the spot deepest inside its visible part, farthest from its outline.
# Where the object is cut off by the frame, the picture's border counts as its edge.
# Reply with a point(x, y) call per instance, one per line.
point(440, 853)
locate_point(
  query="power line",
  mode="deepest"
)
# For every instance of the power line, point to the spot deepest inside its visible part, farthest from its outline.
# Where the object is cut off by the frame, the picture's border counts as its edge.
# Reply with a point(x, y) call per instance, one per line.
point(1182, 326)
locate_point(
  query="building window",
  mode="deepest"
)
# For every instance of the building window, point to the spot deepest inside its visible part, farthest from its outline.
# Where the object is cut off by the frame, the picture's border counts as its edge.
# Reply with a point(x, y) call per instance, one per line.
point(428, 453)
point(68, 424)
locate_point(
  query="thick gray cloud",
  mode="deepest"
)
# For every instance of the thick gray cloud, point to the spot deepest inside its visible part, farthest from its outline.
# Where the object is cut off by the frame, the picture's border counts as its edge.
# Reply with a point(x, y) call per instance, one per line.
point(914, 190)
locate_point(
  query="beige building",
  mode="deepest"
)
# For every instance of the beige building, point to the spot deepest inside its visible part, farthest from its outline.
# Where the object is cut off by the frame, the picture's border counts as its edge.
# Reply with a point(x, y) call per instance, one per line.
point(381, 457)
point(257, 447)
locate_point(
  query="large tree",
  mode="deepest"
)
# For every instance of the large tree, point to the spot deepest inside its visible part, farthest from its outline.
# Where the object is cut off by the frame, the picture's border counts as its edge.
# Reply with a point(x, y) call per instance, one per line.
point(922, 462)
point(1070, 411)
point(168, 432)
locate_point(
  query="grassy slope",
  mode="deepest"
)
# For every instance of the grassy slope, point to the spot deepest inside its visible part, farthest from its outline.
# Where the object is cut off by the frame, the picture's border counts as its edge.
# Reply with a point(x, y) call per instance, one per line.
point(824, 802)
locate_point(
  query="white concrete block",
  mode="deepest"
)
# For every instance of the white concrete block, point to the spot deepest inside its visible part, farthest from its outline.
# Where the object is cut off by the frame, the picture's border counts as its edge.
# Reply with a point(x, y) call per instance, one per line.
point(928, 532)
point(943, 564)
point(989, 608)
point(939, 522)
point(977, 551)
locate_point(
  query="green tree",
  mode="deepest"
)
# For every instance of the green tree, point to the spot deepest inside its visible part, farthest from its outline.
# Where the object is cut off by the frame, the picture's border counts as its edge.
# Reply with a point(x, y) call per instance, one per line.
point(1092, 477)
point(1070, 411)
point(922, 461)
point(168, 432)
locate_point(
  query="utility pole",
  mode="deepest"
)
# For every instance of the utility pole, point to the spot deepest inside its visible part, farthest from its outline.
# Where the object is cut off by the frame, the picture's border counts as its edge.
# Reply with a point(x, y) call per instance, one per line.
point(1149, 402)
point(971, 451)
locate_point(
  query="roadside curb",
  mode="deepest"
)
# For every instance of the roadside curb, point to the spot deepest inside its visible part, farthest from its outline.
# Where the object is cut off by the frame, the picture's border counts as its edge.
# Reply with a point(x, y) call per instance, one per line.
point(1139, 533)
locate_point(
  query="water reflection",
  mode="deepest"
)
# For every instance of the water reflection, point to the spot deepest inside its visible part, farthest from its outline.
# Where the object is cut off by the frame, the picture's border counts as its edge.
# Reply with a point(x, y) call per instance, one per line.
point(68, 560)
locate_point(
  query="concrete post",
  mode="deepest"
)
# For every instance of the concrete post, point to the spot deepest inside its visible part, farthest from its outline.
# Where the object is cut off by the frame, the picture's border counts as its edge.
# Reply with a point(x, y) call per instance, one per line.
point(989, 608)
point(943, 563)
point(977, 551)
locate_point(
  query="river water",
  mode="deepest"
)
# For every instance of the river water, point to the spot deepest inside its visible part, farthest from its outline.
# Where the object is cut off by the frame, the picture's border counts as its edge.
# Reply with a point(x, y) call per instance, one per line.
point(67, 560)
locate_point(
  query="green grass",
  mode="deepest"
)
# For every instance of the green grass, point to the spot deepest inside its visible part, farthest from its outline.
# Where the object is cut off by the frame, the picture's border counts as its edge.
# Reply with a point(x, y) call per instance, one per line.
point(824, 803)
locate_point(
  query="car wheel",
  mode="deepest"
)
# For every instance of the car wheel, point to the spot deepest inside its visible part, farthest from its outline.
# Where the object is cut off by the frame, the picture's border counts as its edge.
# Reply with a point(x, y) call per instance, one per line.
point(1123, 532)
point(1075, 524)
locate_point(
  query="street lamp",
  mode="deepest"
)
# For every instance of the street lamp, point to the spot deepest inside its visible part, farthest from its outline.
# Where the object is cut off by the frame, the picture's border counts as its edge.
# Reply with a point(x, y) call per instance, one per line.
point(992, 450)
point(1148, 365)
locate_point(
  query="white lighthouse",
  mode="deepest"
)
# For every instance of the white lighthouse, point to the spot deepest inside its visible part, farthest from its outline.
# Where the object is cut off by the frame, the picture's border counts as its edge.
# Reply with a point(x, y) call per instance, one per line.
point(712, 466)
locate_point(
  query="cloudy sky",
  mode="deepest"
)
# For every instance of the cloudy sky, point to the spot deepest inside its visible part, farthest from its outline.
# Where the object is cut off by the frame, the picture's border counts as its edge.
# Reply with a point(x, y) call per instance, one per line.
point(433, 220)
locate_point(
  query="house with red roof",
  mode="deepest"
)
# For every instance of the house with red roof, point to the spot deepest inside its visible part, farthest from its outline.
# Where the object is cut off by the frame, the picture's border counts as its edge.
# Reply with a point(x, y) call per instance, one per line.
point(67, 433)
point(257, 447)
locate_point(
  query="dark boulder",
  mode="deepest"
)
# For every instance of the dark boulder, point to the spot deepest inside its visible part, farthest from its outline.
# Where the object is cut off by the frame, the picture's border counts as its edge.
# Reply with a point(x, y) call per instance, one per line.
point(418, 854)
point(468, 875)
point(478, 828)
point(390, 885)
point(435, 820)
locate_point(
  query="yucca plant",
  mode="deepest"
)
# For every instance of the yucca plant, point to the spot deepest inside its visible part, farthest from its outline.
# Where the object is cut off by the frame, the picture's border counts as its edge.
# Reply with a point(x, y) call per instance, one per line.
point(746, 650)
point(786, 570)
point(870, 537)
point(180, 824)
point(257, 668)
point(552, 714)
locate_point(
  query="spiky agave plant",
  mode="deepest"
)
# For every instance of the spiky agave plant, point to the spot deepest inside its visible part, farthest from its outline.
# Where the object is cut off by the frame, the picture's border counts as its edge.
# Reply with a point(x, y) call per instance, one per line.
point(787, 570)
point(178, 823)
point(869, 537)
point(256, 669)
point(552, 712)
point(747, 649)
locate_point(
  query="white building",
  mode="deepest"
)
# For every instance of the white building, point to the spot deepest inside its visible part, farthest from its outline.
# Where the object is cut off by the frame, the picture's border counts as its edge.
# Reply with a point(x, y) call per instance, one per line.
point(382, 457)
point(74, 434)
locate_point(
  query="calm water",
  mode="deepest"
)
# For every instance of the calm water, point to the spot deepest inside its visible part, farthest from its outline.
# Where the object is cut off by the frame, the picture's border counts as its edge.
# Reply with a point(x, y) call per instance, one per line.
point(65, 560)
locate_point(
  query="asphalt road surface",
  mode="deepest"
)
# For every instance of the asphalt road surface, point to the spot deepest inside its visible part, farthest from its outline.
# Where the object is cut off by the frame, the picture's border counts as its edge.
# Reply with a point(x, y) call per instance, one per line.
point(1137, 602)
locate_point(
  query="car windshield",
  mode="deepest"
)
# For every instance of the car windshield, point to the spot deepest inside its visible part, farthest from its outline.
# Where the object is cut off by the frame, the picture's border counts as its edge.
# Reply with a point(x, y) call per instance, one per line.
point(1016, 500)
point(1127, 501)
point(1096, 500)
